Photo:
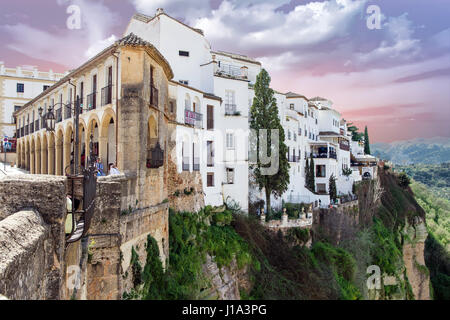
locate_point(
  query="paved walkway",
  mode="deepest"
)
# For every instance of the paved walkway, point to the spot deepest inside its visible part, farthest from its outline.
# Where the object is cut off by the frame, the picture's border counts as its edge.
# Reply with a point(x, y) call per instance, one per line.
point(8, 170)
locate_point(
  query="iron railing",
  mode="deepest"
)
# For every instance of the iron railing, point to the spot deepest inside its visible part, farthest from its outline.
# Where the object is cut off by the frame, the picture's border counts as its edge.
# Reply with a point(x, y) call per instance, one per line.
point(107, 95)
point(230, 109)
point(196, 165)
point(92, 101)
point(230, 70)
point(36, 125)
point(193, 118)
point(59, 115)
point(26, 130)
point(153, 96)
point(185, 164)
point(31, 127)
point(67, 112)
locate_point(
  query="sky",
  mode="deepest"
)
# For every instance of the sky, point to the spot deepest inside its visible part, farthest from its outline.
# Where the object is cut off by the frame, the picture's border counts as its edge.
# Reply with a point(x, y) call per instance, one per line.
point(387, 67)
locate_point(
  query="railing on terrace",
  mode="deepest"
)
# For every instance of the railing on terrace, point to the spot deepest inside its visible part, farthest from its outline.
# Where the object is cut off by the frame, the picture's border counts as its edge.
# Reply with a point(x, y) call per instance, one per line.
point(331, 155)
point(67, 112)
point(92, 101)
point(294, 198)
point(230, 109)
point(106, 95)
point(193, 118)
point(185, 164)
point(153, 96)
point(344, 146)
point(229, 70)
point(196, 166)
point(59, 115)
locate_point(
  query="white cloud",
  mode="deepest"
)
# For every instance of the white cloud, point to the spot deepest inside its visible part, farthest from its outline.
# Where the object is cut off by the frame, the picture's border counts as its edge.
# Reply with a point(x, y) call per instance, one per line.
point(63, 46)
point(189, 10)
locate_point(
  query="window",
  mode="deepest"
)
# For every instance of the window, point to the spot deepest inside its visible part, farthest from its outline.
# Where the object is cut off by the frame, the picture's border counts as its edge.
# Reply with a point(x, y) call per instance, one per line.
point(183, 53)
point(171, 106)
point(20, 87)
point(229, 97)
point(210, 117)
point(291, 106)
point(289, 134)
point(186, 82)
point(210, 153)
point(210, 179)
point(230, 141)
point(230, 175)
point(320, 171)
point(45, 87)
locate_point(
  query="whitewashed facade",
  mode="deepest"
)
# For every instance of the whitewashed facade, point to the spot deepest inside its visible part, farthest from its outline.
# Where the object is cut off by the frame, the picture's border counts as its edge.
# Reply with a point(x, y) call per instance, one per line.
point(17, 87)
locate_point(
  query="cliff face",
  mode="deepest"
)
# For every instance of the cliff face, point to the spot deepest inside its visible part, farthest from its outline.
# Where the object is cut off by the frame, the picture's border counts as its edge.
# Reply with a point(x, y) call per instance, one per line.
point(413, 258)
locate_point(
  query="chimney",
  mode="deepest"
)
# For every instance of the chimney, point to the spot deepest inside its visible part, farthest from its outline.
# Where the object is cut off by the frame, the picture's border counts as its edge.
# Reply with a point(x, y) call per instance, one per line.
point(159, 11)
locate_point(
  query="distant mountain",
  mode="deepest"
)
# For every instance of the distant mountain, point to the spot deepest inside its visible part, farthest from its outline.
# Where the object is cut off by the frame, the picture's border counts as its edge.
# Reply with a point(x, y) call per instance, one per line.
point(427, 151)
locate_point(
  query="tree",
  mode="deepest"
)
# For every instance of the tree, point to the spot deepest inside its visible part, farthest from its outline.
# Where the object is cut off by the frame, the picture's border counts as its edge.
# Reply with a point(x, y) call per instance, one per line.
point(356, 136)
point(312, 181)
point(264, 115)
point(307, 173)
point(366, 141)
point(332, 188)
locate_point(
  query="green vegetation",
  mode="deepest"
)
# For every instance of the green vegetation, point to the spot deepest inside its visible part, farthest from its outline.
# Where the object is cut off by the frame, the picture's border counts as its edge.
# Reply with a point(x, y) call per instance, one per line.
point(366, 141)
point(264, 116)
point(356, 136)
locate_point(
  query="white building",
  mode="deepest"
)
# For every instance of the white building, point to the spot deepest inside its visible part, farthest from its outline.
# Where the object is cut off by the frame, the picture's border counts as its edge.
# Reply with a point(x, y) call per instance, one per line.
point(18, 86)
point(212, 87)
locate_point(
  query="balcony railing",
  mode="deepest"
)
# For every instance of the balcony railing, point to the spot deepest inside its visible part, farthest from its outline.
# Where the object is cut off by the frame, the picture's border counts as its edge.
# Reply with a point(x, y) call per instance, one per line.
point(18, 133)
point(196, 166)
point(193, 118)
point(92, 101)
point(293, 158)
point(155, 157)
point(230, 110)
point(22, 131)
point(59, 115)
point(67, 112)
point(31, 127)
point(344, 146)
point(107, 95)
point(233, 71)
point(153, 96)
point(331, 155)
point(185, 164)
point(26, 130)
point(36, 125)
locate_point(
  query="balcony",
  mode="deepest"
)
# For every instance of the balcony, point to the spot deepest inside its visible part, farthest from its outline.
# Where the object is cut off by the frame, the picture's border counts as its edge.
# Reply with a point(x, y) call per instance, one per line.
point(230, 110)
point(331, 155)
point(67, 112)
point(92, 101)
point(31, 127)
point(59, 115)
point(231, 71)
point(153, 96)
point(36, 125)
point(293, 158)
point(344, 146)
point(107, 95)
point(185, 164)
point(196, 164)
point(22, 131)
point(26, 130)
point(193, 118)
point(155, 157)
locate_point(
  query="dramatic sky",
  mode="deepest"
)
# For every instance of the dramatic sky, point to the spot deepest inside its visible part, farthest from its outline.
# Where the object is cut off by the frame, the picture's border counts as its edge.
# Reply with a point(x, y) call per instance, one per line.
point(395, 79)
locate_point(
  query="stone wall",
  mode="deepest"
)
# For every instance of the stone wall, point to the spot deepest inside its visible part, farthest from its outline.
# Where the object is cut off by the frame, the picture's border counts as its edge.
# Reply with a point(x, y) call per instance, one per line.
point(185, 189)
point(32, 212)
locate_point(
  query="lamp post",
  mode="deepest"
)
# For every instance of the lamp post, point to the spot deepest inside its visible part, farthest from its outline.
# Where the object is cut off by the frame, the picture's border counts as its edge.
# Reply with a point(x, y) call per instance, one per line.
point(50, 122)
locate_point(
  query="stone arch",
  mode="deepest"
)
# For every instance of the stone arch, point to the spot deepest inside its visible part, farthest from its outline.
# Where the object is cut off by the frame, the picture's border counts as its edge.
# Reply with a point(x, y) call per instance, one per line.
point(32, 157)
point(59, 144)
point(37, 155)
point(68, 149)
point(107, 140)
point(93, 128)
point(51, 153)
point(44, 154)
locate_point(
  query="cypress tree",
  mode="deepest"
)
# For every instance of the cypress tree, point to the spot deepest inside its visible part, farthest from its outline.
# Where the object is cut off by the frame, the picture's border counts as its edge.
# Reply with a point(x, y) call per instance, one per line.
point(312, 180)
point(264, 115)
point(332, 188)
point(307, 173)
point(366, 141)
